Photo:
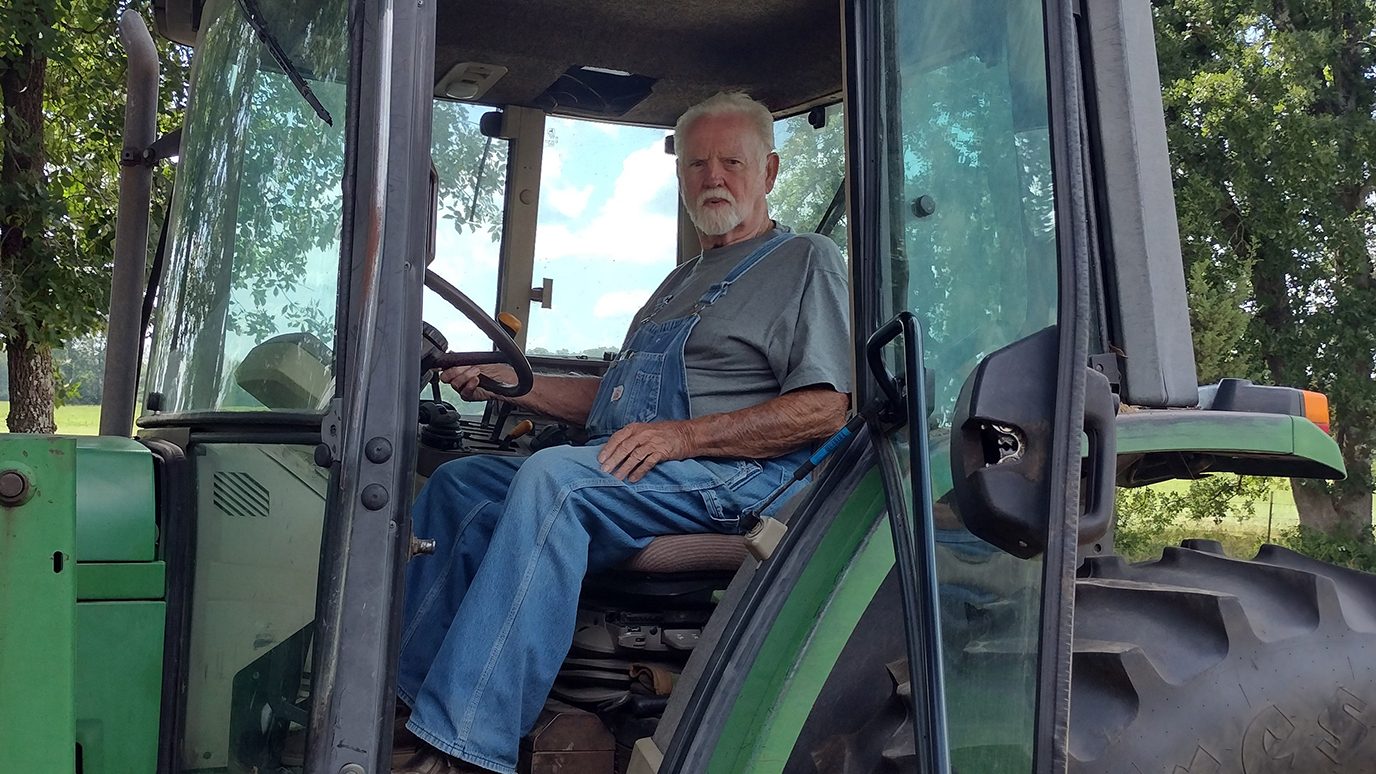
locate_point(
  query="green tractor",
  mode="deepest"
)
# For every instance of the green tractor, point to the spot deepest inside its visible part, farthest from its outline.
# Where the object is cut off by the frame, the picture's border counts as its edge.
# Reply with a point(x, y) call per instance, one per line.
point(367, 191)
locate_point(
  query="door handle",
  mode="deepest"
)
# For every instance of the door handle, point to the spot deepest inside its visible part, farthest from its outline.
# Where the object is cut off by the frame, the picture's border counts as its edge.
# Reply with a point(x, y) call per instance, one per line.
point(914, 543)
point(895, 409)
point(1101, 465)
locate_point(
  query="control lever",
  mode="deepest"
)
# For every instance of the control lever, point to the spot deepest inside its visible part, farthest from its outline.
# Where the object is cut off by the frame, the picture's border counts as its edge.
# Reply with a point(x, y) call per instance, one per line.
point(523, 427)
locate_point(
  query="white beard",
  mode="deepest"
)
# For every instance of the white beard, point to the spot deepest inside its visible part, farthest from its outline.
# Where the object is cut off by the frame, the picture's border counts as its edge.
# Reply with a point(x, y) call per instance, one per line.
point(716, 220)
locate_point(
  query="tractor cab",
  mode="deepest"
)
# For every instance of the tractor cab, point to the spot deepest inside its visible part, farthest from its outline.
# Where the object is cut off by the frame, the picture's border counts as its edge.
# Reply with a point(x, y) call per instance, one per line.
point(522, 211)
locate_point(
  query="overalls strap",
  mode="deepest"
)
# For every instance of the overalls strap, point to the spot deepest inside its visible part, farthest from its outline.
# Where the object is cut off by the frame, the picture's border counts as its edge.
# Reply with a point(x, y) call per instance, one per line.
point(718, 289)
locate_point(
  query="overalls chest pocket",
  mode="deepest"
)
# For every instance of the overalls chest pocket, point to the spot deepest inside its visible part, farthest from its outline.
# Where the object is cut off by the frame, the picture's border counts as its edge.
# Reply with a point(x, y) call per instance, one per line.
point(636, 382)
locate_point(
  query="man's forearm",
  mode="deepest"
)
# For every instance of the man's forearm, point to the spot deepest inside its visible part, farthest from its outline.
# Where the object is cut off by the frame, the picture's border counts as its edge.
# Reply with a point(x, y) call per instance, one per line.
point(566, 398)
point(771, 429)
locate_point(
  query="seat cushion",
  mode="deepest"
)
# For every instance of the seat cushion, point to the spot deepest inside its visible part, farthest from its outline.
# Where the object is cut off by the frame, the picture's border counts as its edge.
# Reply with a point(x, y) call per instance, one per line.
point(707, 552)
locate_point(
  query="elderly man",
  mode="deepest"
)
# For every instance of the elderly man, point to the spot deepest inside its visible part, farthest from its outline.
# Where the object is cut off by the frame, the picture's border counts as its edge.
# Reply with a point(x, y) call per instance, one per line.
point(734, 368)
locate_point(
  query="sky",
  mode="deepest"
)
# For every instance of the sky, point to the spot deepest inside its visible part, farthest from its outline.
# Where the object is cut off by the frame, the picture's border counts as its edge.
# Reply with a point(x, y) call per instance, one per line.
point(606, 236)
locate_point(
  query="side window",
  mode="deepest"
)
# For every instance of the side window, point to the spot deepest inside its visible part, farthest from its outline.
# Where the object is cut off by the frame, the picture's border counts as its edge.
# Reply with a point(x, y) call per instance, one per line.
point(468, 232)
point(607, 233)
point(974, 256)
point(809, 195)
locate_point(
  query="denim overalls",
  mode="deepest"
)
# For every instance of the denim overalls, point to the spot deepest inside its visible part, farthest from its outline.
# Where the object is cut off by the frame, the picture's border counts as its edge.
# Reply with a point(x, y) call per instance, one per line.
point(649, 378)
point(516, 537)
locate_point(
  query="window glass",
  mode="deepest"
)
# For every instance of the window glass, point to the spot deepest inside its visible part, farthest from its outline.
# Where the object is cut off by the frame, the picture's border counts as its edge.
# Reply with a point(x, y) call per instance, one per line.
point(260, 510)
point(808, 195)
point(468, 231)
point(247, 315)
point(607, 233)
point(974, 257)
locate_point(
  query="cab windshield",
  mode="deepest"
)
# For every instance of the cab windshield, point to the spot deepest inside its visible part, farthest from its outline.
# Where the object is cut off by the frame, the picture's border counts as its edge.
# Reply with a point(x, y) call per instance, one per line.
point(247, 315)
point(248, 312)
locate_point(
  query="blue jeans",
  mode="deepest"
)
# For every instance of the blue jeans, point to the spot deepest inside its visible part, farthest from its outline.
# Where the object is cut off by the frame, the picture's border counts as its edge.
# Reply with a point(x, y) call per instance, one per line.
point(489, 617)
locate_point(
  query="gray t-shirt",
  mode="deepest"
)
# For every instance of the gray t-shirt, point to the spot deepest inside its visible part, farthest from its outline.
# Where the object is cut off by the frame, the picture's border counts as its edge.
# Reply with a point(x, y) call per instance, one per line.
point(783, 326)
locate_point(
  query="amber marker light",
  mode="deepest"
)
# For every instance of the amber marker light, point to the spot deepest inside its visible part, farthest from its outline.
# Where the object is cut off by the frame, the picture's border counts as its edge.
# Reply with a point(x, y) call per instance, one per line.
point(1316, 408)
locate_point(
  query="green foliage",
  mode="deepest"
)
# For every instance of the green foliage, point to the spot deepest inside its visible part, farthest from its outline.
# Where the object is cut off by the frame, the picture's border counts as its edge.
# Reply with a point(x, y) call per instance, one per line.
point(1270, 114)
point(1141, 521)
point(1355, 550)
point(1146, 514)
point(60, 287)
point(471, 169)
point(55, 274)
point(81, 368)
point(812, 165)
point(256, 226)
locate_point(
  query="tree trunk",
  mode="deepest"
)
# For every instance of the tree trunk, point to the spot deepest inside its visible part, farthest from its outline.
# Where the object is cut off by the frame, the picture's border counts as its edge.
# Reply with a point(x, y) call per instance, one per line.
point(31, 387)
point(1340, 513)
point(22, 220)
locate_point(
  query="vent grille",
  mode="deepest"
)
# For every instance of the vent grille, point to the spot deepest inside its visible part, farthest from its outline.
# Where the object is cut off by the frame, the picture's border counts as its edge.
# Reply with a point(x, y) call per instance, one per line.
point(239, 494)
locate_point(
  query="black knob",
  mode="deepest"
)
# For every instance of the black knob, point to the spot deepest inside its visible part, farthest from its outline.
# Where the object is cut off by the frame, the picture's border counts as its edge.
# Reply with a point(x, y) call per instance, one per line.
point(374, 497)
point(14, 488)
point(378, 450)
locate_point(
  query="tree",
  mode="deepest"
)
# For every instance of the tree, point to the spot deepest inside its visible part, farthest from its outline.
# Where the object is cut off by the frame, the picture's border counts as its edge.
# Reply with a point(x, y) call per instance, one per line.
point(812, 167)
point(1269, 111)
point(81, 365)
point(61, 87)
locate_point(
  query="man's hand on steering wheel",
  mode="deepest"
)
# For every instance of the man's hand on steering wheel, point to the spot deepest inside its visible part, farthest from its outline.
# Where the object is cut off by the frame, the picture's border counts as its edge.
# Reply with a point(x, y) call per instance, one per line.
point(464, 380)
point(521, 377)
point(636, 448)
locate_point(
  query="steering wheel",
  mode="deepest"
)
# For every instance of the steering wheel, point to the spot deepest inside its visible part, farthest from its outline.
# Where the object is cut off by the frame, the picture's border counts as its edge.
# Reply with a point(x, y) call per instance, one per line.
point(507, 350)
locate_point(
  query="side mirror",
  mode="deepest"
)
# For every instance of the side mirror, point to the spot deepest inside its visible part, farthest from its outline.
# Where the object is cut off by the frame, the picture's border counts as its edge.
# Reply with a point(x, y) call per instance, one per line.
point(1001, 444)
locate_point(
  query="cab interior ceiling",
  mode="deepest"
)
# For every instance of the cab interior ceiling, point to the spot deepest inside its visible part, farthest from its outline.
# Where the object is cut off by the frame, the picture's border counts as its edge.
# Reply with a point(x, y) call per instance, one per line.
point(785, 53)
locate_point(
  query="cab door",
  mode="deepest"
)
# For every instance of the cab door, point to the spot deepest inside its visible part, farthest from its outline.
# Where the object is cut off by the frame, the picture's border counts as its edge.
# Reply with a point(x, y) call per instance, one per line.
point(916, 614)
point(968, 217)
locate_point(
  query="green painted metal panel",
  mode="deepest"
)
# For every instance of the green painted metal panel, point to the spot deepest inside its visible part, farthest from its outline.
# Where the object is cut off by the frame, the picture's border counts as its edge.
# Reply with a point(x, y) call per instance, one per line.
point(120, 580)
point(1291, 445)
point(763, 725)
point(118, 686)
point(834, 627)
point(115, 502)
point(38, 608)
point(1312, 443)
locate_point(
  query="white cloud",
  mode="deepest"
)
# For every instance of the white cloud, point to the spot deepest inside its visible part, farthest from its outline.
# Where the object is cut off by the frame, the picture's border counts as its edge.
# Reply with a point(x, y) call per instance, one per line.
point(624, 228)
point(570, 202)
point(644, 174)
point(620, 303)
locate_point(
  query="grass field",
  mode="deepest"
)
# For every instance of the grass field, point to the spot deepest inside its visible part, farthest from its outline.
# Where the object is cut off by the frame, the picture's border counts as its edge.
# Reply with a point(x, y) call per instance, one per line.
point(1280, 510)
point(71, 420)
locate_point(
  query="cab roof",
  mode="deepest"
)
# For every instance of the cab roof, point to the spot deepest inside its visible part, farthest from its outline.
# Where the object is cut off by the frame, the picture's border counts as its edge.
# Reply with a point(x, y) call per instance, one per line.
point(648, 65)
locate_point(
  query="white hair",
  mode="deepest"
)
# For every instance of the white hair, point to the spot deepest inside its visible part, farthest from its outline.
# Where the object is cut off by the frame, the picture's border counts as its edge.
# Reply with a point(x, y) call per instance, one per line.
point(729, 103)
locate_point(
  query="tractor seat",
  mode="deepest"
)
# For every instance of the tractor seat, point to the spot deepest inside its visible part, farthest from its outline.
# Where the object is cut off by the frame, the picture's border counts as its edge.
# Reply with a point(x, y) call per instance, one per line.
point(659, 600)
point(705, 552)
point(686, 568)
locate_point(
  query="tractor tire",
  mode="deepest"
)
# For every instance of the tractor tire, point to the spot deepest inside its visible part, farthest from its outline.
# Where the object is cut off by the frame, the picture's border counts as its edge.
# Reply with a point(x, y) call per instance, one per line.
point(1202, 664)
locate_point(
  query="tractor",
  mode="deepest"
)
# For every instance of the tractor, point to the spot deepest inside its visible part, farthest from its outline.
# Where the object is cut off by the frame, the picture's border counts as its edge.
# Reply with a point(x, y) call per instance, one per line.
point(369, 191)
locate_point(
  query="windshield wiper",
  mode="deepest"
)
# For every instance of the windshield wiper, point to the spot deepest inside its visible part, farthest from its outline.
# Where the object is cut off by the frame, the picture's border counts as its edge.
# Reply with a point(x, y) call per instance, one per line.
point(834, 212)
point(259, 25)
